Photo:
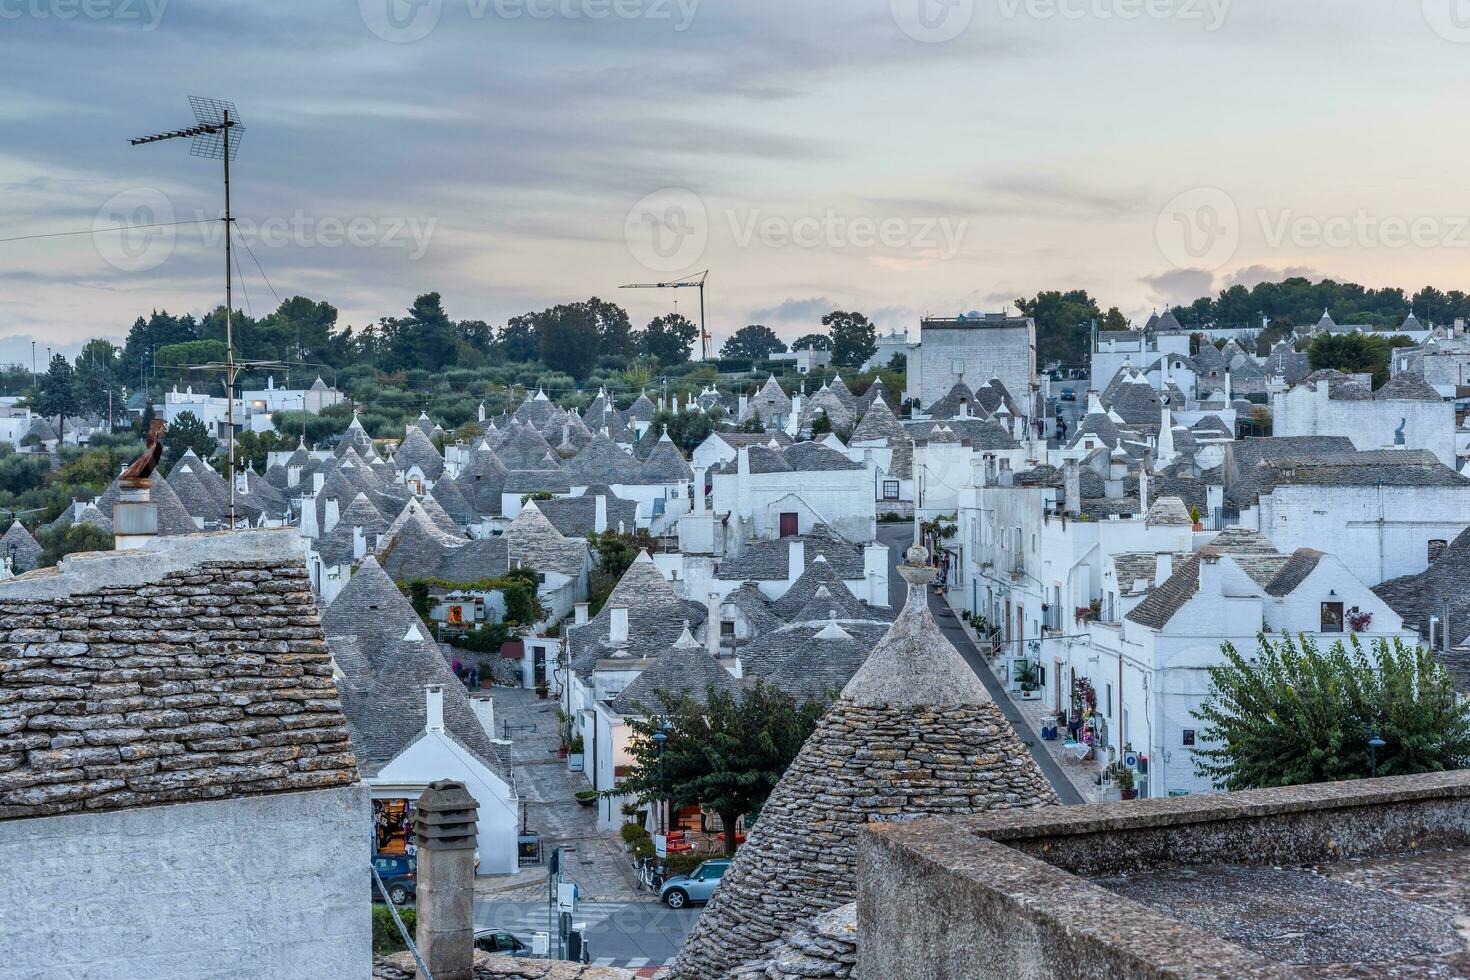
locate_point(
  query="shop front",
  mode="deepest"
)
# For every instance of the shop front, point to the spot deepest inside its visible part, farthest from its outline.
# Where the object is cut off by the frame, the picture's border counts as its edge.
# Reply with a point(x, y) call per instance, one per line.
point(393, 826)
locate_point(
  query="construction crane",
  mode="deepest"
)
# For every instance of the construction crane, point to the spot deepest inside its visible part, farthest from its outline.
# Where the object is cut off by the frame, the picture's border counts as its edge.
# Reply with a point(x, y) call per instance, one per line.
point(688, 282)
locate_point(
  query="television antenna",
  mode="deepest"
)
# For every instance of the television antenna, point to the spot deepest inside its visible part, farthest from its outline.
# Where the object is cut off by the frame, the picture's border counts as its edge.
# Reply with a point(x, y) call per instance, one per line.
point(214, 120)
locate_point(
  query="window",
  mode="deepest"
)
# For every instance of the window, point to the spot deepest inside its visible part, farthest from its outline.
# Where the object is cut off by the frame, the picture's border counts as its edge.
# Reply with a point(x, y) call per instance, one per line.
point(957, 366)
point(890, 489)
point(1331, 617)
point(1189, 738)
point(1436, 548)
point(1108, 703)
point(727, 627)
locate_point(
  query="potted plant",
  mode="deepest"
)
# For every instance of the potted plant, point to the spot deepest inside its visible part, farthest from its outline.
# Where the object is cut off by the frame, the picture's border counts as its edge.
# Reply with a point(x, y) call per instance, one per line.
point(574, 754)
point(1194, 516)
point(541, 691)
point(1125, 783)
point(1359, 621)
point(586, 797)
point(1028, 678)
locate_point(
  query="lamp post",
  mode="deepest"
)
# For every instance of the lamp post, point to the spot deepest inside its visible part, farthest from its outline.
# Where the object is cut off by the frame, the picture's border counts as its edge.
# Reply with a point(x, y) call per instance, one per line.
point(1374, 744)
point(660, 738)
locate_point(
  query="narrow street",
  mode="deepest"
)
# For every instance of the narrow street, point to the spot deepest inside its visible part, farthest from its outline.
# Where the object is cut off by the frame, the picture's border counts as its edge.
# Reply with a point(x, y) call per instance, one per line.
point(898, 537)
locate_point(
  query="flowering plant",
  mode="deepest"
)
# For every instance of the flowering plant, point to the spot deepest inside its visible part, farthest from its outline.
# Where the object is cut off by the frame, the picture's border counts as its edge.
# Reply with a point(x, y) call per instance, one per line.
point(1359, 621)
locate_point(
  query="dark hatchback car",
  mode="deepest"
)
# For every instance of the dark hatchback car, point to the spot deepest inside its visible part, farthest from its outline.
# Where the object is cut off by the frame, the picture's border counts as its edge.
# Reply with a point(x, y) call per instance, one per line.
point(397, 872)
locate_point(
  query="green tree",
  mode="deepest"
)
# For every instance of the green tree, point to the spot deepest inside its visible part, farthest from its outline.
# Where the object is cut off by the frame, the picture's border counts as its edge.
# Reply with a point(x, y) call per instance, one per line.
point(175, 359)
point(755, 342)
point(98, 382)
point(1113, 319)
point(725, 755)
point(568, 339)
point(518, 338)
point(1298, 714)
point(186, 432)
point(57, 393)
point(1351, 353)
point(57, 543)
point(854, 339)
point(1063, 324)
point(812, 341)
point(252, 449)
point(614, 330)
point(686, 429)
point(426, 338)
point(616, 552)
point(669, 339)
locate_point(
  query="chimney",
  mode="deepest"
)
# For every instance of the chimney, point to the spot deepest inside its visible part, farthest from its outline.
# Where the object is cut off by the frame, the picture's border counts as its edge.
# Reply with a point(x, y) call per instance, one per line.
point(317, 479)
point(712, 625)
point(742, 461)
point(359, 542)
point(618, 624)
point(744, 406)
point(1143, 489)
point(1166, 437)
point(1163, 568)
point(579, 614)
point(134, 515)
point(698, 502)
point(434, 708)
point(330, 514)
point(446, 834)
point(1209, 575)
point(308, 519)
point(599, 513)
point(1228, 397)
point(964, 409)
point(1072, 477)
point(795, 559)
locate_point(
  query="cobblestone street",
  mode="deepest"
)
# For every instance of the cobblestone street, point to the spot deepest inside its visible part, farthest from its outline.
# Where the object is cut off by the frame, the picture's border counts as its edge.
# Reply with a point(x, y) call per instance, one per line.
point(594, 859)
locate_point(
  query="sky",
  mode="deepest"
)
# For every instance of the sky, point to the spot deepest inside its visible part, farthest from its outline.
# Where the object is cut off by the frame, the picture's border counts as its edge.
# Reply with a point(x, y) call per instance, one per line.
point(897, 157)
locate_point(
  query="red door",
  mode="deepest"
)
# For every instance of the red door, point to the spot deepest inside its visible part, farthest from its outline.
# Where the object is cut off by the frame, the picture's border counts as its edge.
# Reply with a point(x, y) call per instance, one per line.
point(788, 525)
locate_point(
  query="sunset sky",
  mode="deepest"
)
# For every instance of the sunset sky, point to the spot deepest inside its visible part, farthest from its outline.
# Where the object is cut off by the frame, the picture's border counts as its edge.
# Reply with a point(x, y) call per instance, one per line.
point(854, 154)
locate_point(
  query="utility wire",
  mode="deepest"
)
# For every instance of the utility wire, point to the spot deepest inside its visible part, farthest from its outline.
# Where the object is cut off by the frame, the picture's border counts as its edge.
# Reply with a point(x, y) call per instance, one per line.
point(98, 231)
point(262, 271)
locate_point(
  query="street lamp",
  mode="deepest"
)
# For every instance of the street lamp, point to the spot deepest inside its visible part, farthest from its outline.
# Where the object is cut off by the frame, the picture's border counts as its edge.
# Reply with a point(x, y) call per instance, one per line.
point(1374, 744)
point(660, 737)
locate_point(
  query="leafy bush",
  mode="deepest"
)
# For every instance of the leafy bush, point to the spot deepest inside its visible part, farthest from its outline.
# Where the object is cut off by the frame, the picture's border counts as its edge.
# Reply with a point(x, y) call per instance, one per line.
point(684, 864)
point(386, 938)
point(632, 833)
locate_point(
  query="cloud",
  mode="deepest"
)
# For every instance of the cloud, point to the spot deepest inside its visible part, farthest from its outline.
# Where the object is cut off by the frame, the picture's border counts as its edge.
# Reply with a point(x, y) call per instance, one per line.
point(1179, 286)
point(803, 311)
point(1254, 275)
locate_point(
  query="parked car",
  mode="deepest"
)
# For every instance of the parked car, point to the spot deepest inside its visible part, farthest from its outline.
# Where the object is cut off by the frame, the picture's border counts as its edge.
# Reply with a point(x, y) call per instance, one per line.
point(680, 890)
point(1069, 394)
point(398, 872)
point(501, 943)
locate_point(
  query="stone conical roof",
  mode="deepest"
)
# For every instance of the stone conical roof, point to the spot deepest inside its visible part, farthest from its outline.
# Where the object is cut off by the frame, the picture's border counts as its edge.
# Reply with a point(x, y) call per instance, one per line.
point(448, 495)
point(417, 450)
point(600, 461)
point(913, 734)
point(27, 549)
point(482, 481)
point(665, 464)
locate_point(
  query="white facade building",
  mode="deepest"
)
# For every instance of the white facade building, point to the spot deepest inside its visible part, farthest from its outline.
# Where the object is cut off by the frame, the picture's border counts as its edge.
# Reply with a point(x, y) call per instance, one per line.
point(974, 348)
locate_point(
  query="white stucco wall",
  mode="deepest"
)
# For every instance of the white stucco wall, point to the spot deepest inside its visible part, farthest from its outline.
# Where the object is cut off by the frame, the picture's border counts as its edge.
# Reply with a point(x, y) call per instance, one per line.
point(1378, 532)
point(1369, 424)
point(977, 350)
point(264, 886)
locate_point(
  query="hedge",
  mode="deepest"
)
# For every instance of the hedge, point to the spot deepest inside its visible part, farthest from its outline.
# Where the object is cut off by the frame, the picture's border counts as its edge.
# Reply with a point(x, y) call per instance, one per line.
point(386, 938)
